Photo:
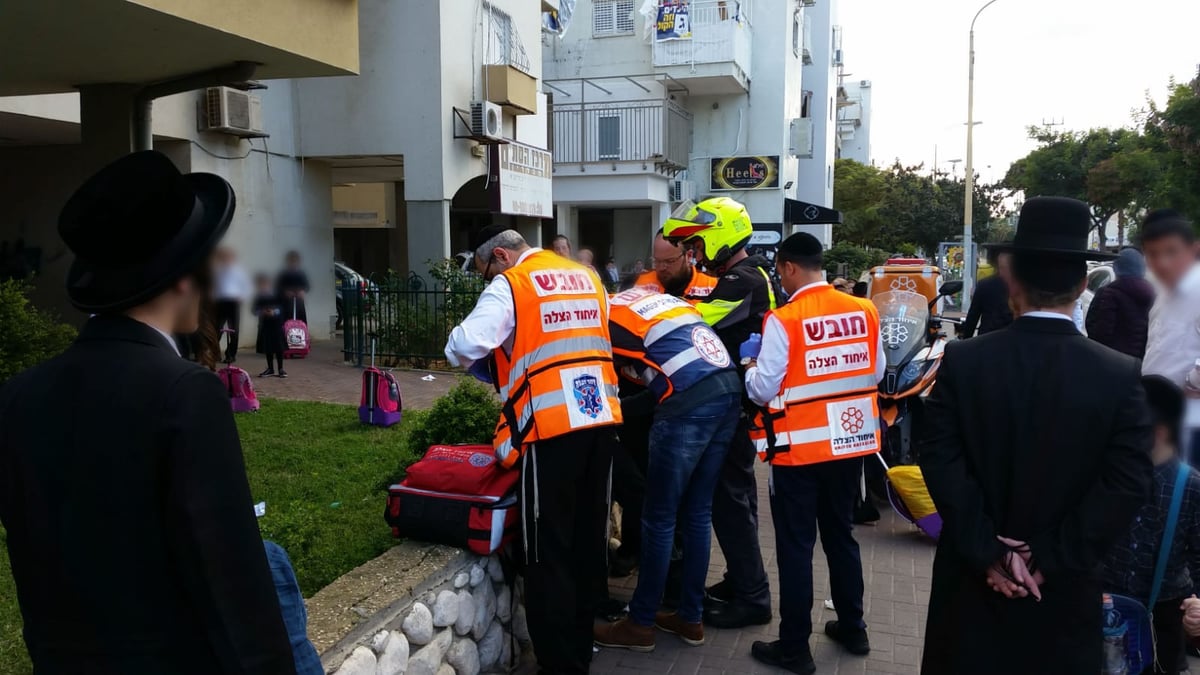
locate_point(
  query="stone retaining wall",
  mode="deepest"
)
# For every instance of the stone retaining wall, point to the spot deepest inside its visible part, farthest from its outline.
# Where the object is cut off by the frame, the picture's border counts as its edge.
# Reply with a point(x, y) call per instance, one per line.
point(420, 610)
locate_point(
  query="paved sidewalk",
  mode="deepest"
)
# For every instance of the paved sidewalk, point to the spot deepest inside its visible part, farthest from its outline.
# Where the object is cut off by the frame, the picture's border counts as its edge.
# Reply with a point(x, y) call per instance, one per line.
point(324, 376)
point(896, 566)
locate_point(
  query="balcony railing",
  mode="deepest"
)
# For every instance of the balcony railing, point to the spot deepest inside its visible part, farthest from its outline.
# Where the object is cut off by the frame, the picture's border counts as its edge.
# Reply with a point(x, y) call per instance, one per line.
point(720, 34)
point(628, 131)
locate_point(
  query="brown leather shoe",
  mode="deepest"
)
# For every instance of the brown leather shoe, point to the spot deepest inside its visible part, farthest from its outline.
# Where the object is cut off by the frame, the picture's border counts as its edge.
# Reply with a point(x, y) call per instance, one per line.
point(625, 634)
point(670, 622)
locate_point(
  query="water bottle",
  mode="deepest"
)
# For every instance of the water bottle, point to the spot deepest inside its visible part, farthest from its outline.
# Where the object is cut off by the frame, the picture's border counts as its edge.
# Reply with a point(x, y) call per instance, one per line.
point(1114, 640)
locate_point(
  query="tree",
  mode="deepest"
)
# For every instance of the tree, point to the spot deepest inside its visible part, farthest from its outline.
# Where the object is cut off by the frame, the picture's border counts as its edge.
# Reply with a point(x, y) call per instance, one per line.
point(1110, 169)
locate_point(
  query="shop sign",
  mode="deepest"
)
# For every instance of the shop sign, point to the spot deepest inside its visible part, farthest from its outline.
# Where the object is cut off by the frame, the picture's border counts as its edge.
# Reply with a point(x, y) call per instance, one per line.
point(521, 177)
point(745, 173)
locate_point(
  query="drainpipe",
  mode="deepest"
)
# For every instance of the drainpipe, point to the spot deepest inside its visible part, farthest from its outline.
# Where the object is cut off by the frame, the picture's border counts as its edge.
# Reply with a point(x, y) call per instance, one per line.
point(143, 104)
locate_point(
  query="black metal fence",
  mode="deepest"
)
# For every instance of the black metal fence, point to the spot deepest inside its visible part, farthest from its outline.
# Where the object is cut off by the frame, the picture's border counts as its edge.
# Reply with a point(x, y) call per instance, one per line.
point(407, 321)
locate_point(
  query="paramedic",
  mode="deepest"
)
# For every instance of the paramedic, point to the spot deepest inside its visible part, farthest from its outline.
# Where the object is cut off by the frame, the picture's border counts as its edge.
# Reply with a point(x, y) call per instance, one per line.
point(674, 273)
point(694, 392)
point(718, 230)
point(540, 332)
point(819, 418)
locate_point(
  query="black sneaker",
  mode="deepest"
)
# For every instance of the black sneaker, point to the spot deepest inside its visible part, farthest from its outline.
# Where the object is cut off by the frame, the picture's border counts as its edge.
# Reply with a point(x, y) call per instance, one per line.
point(853, 641)
point(267, 373)
point(282, 373)
point(772, 654)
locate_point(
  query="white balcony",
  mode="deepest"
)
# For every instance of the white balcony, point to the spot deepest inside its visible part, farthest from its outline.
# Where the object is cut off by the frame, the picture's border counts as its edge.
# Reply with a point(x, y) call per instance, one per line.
point(716, 59)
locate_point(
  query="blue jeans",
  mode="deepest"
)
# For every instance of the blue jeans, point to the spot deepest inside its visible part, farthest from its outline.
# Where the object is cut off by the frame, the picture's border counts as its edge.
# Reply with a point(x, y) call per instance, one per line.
point(686, 454)
point(295, 617)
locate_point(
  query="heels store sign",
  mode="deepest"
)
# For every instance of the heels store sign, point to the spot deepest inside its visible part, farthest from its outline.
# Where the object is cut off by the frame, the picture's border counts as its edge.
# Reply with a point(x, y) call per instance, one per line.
point(745, 173)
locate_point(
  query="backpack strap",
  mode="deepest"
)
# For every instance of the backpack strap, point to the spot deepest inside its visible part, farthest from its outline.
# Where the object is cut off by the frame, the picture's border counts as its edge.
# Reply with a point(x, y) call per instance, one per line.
point(1164, 550)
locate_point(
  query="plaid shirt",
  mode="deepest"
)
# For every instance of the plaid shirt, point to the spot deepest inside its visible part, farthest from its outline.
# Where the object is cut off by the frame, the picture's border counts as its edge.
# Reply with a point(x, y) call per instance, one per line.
point(1129, 568)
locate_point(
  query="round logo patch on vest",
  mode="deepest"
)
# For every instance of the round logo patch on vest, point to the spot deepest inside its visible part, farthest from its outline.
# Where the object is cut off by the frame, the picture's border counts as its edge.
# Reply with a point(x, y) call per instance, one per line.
point(709, 346)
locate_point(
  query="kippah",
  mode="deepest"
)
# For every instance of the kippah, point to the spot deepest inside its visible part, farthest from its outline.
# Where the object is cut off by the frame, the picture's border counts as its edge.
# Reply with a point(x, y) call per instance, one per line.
point(801, 244)
point(481, 237)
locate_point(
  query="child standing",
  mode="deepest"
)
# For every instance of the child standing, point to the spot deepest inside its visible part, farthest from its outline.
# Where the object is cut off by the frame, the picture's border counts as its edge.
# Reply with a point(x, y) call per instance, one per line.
point(1129, 569)
point(269, 310)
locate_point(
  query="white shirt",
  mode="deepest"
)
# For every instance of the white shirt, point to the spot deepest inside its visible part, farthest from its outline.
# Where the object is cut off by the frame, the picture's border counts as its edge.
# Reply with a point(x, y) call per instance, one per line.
point(764, 380)
point(1174, 338)
point(489, 325)
point(231, 283)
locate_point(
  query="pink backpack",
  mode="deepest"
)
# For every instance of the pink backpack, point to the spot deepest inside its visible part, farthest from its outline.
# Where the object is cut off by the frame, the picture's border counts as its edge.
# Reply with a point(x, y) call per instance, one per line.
point(240, 387)
point(295, 335)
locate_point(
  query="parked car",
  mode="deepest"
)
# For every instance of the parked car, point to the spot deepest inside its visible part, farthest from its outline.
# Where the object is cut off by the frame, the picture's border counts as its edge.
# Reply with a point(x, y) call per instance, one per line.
point(345, 277)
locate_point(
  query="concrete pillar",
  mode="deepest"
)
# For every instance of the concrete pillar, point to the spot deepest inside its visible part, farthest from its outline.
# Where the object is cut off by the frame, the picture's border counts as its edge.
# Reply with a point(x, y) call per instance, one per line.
point(428, 234)
point(106, 121)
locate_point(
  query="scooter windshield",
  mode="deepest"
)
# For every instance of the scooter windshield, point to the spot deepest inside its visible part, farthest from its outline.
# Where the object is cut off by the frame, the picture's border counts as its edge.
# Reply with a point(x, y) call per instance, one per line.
point(904, 321)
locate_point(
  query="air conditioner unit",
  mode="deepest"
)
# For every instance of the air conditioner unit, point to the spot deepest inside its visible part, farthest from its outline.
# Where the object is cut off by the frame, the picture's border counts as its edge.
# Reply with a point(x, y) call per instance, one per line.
point(800, 137)
point(231, 111)
point(486, 120)
point(682, 190)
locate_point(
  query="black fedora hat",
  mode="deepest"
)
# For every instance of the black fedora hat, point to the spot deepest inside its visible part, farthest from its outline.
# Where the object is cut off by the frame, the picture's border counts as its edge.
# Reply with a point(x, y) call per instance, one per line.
point(138, 226)
point(1053, 227)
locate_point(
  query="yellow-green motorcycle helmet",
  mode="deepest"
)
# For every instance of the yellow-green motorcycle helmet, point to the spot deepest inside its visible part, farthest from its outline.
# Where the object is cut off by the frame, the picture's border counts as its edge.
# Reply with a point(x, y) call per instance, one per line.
point(720, 223)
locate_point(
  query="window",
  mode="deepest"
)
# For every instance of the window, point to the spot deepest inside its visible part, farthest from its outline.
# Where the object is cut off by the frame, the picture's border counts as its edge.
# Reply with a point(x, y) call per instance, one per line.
point(612, 17)
point(610, 137)
point(797, 31)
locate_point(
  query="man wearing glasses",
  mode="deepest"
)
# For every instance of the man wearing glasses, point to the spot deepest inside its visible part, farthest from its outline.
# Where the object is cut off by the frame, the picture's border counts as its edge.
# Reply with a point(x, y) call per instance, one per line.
point(674, 273)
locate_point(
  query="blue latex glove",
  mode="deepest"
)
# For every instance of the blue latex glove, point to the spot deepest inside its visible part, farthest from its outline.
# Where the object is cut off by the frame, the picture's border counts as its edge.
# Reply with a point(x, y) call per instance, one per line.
point(750, 348)
point(480, 370)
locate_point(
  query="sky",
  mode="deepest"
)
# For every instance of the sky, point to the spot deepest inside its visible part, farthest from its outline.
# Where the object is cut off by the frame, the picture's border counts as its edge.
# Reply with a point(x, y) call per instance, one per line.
point(1082, 63)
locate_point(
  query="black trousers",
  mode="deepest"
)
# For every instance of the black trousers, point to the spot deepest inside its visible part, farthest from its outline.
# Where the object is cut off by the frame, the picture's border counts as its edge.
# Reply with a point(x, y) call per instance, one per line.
point(803, 499)
point(564, 493)
point(735, 522)
point(229, 312)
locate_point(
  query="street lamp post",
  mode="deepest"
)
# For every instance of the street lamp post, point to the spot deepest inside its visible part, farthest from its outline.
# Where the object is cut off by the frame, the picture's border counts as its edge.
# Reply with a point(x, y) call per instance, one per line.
point(969, 197)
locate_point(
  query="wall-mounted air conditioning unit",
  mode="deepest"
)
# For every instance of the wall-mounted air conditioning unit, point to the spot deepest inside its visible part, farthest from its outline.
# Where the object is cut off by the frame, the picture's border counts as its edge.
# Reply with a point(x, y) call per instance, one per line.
point(682, 190)
point(231, 111)
point(800, 137)
point(486, 120)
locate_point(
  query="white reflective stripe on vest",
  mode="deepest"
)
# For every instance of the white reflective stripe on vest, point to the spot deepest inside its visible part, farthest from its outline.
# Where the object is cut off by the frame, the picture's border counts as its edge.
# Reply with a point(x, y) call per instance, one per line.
point(555, 398)
point(842, 385)
point(683, 358)
point(552, 349)
point(665, 326)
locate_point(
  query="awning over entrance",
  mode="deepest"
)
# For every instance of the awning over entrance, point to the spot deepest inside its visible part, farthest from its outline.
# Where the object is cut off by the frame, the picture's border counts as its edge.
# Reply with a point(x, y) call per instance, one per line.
point(53, 46)
point(796, 212)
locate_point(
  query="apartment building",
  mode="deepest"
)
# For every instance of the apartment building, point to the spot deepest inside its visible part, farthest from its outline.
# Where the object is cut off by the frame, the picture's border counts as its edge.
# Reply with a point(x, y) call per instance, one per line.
point(378, 132)
point(655, 103)
point(854, 120)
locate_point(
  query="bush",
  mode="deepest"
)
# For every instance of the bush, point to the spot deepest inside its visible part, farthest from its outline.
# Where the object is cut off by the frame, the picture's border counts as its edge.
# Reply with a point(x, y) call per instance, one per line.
point(28, 335)
point(467, 414)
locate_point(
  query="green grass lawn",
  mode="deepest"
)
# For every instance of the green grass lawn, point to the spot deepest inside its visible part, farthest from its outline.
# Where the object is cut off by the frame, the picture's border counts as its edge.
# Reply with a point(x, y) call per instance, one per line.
point(322, 475)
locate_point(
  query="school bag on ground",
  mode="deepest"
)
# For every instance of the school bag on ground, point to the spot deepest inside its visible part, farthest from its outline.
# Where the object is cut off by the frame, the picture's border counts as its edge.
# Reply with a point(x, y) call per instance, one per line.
point(295, 336)
point(240, 388)
point(380, 401)
point(457, 495)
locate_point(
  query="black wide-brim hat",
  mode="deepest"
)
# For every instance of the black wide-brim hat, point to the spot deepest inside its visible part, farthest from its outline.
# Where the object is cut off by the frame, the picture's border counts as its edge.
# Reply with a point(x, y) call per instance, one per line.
point(137, 227)
point(1053, 228)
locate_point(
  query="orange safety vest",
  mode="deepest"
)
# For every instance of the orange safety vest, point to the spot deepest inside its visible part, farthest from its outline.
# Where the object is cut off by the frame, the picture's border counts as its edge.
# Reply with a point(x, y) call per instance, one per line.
point(699, 288)
point(827, 407)
point(557, 377)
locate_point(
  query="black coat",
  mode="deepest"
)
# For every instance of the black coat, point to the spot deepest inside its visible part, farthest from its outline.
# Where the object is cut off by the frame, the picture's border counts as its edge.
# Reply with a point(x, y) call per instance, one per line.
point(1038, 434)
point(131, 529)
point(1119, 316)
point(989, 307)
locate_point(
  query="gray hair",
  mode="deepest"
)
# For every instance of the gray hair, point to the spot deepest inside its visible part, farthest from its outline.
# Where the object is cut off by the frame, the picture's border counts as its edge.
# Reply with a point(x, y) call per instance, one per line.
point(509, 239)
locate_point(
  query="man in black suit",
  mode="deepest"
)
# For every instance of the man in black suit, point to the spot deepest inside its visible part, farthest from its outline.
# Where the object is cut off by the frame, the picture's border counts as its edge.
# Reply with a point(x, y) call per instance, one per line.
point(1036, 453)
point(130, 525)
point(989, 305)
